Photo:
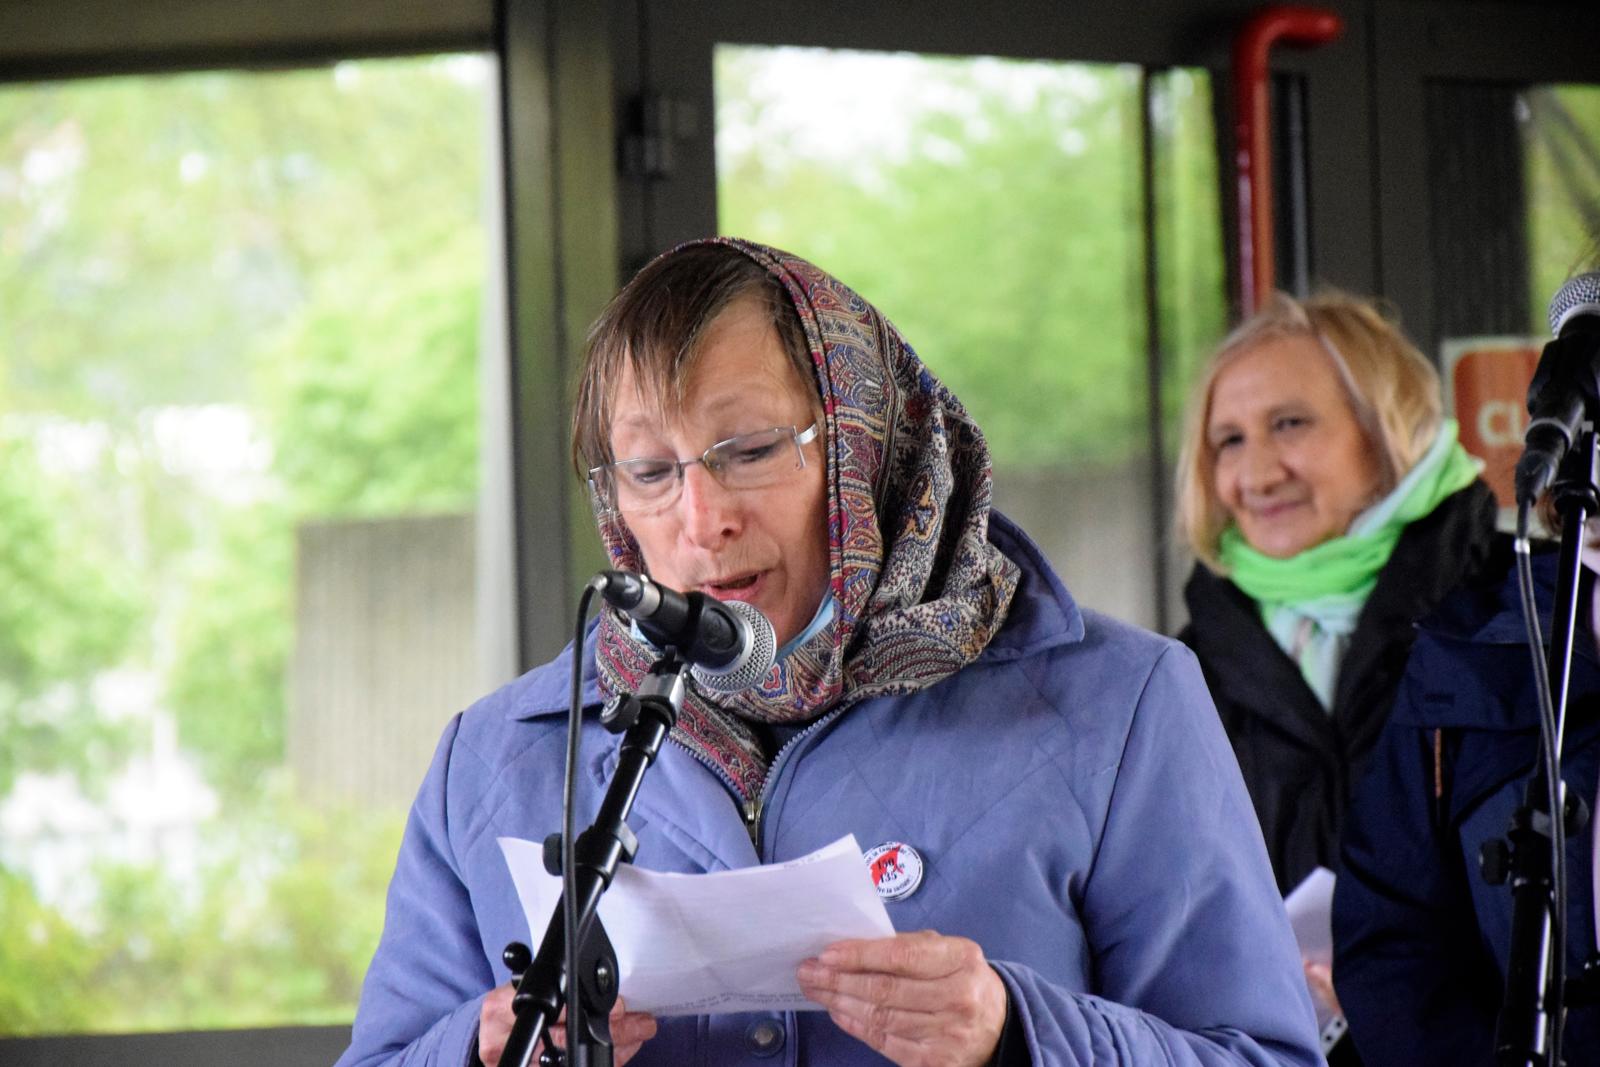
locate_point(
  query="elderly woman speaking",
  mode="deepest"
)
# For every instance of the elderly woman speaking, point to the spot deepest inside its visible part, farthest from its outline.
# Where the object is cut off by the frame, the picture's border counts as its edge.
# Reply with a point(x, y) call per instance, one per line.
point(1092, 888)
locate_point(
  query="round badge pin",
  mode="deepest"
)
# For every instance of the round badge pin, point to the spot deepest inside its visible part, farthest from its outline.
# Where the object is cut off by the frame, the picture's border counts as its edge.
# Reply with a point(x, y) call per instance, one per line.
point(896, 869)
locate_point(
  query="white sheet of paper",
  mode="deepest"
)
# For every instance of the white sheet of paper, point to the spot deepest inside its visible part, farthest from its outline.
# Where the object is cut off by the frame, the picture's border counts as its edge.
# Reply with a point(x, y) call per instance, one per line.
point(693, 944)
point(1310, 907)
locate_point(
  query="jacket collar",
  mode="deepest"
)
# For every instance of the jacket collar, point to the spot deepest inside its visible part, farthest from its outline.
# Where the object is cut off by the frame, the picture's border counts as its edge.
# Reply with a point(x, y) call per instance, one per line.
point(1042, 616)
point(1472, 673)
point(1244, 666)
point(1247, 669)
point(1473, 669)
point(1489, 612)
point(547, 690)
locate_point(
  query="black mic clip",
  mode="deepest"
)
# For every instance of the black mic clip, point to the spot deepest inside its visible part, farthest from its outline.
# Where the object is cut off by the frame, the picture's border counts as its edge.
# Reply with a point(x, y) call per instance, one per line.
point(730, 645)
point(1565, 391)
point(1564, 394)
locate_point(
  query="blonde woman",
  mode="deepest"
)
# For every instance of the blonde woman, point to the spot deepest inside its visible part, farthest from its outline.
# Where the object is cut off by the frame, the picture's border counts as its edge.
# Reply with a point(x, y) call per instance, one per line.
point(1329, 506)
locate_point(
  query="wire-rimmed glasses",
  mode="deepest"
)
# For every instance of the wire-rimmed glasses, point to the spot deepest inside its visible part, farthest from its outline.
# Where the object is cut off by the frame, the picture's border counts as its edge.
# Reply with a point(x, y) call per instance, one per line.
point(646, 485)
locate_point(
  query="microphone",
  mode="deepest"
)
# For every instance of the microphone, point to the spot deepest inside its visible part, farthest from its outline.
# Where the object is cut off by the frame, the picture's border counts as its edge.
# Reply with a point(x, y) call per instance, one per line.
point(729, 644)
point(1566, 386)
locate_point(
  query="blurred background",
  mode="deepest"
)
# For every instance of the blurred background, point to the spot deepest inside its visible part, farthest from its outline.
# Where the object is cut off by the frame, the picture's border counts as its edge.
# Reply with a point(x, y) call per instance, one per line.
point(289, 299)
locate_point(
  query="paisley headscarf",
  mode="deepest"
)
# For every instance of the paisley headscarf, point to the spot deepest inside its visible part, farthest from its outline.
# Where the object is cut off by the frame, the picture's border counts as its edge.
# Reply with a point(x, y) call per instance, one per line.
point(917, 588)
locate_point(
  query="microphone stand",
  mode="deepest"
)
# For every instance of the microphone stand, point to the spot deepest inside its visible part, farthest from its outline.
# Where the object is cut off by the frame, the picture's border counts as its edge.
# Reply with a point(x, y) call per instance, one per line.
point(542, 988)
point(1528, 1031)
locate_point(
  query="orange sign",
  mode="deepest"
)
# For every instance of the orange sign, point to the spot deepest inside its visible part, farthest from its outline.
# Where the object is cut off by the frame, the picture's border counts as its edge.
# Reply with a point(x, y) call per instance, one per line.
point(1486, 387)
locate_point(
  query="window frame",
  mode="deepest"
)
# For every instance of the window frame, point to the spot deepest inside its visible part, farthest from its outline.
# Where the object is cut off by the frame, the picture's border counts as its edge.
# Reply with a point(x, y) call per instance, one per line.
point(675, 65)
point(550, 214)
point(1427, 41)
point(570, 73)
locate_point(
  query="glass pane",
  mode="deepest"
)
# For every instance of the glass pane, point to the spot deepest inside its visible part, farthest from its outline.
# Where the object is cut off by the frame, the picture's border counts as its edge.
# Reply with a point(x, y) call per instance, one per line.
point(994, 210)
point(1191, 290)
point(1476, 212)
point(1562, 142)
point(238, 398)
point(1514, 186)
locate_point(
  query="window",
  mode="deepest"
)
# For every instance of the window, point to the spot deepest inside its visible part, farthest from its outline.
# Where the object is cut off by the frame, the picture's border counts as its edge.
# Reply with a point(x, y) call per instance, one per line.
point(239, 480)
point(1561, 137)
point(997, 212)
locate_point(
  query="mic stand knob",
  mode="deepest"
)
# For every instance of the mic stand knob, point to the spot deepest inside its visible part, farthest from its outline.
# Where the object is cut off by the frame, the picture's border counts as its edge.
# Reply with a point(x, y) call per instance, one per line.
point(620, 712)
point(597, 988)
point(1494, 861)
point(517, 957)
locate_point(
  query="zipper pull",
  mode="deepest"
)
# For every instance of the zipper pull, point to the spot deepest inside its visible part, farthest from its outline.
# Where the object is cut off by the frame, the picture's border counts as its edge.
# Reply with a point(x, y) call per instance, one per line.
point(752, 821)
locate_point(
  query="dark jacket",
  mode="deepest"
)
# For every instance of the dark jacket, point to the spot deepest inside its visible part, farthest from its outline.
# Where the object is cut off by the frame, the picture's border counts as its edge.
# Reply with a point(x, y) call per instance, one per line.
point(1298, 760)
point(1420, 939)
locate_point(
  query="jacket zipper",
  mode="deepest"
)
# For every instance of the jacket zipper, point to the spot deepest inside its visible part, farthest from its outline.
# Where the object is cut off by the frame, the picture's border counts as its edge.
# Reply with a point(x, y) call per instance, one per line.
point(752, 822)
point(752, 808)
point(721, 775)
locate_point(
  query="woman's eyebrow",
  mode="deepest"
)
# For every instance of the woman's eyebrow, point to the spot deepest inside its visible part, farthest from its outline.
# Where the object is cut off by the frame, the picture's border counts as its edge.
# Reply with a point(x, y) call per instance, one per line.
point(742, 401)
point(639, 421)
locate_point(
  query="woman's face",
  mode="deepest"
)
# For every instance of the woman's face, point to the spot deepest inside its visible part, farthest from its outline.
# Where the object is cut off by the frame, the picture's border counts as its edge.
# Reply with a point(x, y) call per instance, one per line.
point(766, 546)
point(1292, 465)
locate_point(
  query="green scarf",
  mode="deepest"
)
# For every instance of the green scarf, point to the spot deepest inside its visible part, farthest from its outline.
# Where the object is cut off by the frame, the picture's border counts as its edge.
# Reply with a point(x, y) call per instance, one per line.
point(1310, 601)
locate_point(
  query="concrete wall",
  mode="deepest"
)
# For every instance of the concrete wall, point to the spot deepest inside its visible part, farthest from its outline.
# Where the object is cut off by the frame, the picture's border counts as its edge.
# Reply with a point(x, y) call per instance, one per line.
point(1094, 525)
point(384, 654)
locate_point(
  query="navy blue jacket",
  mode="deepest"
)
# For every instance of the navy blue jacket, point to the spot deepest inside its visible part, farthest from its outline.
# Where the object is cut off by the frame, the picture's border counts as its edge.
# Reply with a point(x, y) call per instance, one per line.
point(1420, 939)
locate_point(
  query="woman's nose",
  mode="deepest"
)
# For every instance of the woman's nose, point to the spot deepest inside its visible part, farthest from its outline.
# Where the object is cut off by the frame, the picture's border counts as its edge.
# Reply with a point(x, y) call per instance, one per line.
point(1261, 467)
point(711, 512)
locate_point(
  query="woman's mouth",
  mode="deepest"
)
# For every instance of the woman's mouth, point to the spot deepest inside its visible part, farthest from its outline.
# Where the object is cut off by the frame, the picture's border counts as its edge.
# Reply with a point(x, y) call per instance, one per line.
point(1270, 512)
point(738, 587)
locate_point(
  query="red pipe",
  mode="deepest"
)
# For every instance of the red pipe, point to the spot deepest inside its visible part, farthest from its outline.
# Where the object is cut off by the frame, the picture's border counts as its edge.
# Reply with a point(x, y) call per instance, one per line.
point(1252, 132)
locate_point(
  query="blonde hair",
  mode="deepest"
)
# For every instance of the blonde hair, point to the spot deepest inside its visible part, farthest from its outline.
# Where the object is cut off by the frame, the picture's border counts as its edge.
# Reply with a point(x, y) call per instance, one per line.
point(1393, 391)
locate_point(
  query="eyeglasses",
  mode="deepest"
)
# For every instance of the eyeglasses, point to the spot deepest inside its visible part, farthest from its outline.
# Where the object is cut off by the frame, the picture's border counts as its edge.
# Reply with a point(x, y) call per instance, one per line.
point(749, 461)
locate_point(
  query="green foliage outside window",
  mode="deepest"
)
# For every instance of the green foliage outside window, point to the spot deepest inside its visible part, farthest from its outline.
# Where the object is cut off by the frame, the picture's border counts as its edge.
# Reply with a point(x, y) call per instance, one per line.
point(996, 217)
point(294, 260)
point(64, 612)
point(1562, 167)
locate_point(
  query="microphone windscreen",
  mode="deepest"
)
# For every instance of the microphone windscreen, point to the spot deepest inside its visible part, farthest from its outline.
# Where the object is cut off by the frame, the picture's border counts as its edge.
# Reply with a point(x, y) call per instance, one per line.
point(1579, 296)
point(749, 668)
